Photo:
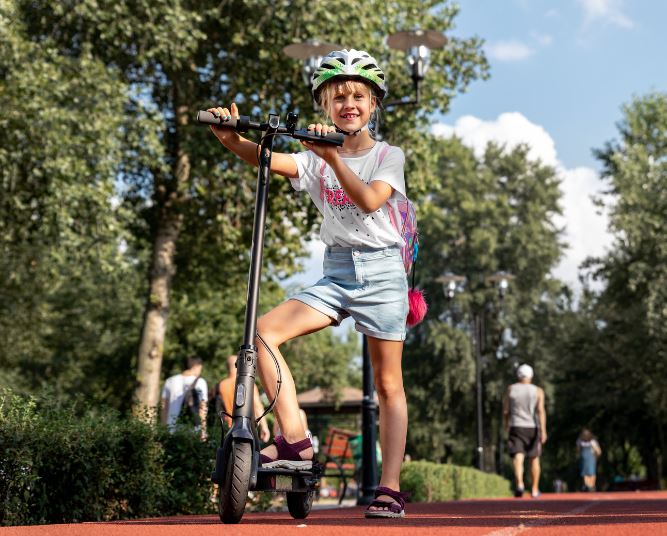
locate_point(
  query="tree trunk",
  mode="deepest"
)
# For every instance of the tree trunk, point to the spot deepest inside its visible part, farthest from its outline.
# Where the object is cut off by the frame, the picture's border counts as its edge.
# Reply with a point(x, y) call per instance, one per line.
point(151, 346)
point(146, 395)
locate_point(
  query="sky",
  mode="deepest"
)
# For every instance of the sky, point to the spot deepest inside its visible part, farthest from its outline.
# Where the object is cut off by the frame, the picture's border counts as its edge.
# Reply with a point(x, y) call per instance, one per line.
point(560, 73)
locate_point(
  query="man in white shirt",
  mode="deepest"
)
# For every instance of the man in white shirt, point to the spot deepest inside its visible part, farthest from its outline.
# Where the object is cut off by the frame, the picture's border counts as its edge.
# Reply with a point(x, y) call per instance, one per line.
point(174, 393)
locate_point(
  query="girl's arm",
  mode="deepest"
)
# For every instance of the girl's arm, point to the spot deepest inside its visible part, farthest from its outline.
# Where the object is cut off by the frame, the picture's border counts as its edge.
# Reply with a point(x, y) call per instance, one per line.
point(368, 197)
point(281, 163)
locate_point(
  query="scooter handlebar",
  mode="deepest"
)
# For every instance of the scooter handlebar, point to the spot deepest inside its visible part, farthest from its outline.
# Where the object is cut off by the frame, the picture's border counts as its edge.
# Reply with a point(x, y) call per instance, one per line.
point(208, 118)
point(243, 124)
point(334, 138)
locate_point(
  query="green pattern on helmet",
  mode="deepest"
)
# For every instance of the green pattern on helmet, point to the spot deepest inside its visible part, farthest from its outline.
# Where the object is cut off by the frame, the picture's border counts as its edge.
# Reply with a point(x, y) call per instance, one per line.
point(369, 75)
point(328, 75)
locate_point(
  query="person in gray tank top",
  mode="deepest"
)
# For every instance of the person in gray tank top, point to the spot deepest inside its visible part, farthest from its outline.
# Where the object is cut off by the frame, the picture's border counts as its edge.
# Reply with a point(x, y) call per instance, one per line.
point(525, 421)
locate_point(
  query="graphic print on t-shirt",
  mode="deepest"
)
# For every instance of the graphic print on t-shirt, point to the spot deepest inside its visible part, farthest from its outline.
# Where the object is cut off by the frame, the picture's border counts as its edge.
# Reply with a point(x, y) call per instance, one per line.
point(343, 223)
point(331, 191)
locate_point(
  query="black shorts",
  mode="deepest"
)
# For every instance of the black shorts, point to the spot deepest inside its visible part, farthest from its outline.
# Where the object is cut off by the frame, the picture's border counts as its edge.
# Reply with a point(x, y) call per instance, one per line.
point(524, 441)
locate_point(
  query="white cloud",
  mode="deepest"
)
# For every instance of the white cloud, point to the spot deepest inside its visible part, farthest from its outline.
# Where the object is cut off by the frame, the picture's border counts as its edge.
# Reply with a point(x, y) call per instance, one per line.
point(585, 229)
point(510, 128)
point(508, 50)
point(542, 39)
point(610, 11)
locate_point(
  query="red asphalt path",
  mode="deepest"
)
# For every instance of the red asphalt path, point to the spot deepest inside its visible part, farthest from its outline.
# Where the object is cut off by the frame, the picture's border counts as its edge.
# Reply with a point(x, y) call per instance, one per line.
point(590, 514)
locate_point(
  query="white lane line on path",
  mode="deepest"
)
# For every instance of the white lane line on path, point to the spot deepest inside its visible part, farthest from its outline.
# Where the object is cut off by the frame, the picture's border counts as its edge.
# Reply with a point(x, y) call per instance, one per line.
point(523, 527)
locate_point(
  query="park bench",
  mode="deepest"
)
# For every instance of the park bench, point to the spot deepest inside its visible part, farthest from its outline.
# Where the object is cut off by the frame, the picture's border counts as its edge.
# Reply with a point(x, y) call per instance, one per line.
point(338, 458)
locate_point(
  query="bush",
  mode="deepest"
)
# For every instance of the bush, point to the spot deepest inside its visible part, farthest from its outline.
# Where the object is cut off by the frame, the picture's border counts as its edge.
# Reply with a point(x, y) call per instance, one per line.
point(58, 466)
point(430, 482)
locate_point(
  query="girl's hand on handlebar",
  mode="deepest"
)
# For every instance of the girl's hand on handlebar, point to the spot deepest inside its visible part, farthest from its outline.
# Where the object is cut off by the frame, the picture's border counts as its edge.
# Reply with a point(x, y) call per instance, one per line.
point(225, 134)
point(325, 151)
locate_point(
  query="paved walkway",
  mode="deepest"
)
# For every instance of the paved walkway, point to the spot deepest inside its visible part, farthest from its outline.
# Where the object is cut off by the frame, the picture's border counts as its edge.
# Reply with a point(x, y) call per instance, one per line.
point(608, 514)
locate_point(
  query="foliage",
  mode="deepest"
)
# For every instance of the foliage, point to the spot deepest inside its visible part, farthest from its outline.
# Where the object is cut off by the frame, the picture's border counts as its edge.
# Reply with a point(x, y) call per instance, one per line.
point(177, 58)
point(480, 215)
point(431, 482)
point(68, 294)
point(58, 465)
point(614, 349)
point(324, 360)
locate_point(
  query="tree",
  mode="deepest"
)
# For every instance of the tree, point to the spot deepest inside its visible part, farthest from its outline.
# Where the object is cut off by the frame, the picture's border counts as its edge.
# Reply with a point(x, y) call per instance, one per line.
point(626, 352)
point(67, 290)
point(611, 368)
point(480, 215)
point(178, 58)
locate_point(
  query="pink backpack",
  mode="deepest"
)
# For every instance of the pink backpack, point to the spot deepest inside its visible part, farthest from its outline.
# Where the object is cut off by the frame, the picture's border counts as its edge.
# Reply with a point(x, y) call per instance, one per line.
point(404, 219)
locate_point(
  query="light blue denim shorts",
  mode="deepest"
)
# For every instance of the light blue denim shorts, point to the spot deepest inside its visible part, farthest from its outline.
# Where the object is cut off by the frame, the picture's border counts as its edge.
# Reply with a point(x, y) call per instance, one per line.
point(367, 284)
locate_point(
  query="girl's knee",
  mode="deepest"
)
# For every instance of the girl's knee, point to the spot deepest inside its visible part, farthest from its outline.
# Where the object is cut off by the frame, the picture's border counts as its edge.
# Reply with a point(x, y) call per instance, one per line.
point(267, 332)
point(388, 387)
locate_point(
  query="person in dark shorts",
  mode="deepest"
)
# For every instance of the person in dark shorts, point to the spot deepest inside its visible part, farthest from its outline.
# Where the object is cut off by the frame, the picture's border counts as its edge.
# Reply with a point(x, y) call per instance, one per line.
point(526, 424)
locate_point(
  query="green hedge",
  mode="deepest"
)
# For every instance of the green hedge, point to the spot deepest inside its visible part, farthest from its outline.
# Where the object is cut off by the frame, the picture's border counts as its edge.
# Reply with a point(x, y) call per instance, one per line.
point(62, 465)
point(429, 482)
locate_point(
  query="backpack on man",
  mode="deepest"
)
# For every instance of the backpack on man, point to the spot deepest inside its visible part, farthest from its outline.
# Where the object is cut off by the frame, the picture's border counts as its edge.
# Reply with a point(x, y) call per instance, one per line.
point(191, 402)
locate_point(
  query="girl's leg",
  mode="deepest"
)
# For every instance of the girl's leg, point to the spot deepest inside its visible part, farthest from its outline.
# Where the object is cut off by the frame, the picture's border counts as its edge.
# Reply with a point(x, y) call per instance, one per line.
point(386, 359)
point(290, 319)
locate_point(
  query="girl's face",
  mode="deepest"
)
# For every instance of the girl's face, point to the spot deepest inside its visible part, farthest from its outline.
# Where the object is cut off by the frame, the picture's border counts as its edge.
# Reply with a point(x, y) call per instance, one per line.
point(351, 105)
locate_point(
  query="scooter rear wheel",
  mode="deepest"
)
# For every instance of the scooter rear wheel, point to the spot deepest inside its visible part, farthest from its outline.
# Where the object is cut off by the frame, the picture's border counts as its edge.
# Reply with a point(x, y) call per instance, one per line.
point(299, 503)
point(234, 492)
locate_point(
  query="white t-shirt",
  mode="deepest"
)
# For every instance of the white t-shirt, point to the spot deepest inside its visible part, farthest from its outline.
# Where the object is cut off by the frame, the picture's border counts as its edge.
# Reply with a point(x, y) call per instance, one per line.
point(344, 224)
point(174, 391)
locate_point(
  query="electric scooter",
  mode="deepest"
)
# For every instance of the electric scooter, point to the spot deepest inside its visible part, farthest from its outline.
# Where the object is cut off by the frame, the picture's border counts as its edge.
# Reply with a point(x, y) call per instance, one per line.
point(237, 466)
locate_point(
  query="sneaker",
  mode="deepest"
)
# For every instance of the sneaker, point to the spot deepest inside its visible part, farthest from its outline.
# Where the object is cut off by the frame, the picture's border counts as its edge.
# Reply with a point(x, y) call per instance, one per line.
point(535, 494)
point(518, 492)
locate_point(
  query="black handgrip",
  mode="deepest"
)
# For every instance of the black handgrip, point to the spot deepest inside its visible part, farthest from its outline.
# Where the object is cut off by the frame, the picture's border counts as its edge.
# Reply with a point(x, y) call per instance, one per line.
point(335, 138)
point(209, 119)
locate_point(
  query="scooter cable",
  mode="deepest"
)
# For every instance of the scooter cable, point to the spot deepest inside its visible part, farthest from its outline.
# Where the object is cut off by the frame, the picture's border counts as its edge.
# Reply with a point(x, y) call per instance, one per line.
point(278, 382)
point(259, 145)
point(222, 412)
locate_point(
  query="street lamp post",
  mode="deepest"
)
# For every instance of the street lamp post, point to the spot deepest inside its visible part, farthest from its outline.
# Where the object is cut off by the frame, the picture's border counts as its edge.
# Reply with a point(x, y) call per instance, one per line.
point(417, 44)
point(452, 284)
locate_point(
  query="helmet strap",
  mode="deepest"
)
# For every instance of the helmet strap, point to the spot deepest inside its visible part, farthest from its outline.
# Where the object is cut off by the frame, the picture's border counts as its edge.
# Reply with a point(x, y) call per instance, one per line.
point(355, 133)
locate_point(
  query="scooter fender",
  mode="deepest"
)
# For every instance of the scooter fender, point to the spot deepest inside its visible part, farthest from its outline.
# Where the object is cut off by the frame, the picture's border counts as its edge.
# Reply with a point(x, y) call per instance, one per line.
point(245, 433)
point(236, 434)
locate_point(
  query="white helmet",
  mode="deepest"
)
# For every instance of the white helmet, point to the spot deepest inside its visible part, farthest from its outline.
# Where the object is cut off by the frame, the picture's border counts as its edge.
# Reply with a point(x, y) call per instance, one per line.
point(349, 65)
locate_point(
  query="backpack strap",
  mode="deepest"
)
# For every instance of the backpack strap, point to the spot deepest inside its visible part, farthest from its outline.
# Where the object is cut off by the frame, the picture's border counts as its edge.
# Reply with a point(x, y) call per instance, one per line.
point(191, 388)
point(383, 153)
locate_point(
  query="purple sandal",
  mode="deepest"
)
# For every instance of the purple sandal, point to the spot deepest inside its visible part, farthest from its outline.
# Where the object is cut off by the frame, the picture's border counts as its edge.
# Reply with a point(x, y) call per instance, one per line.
point(288, 455)
point(394, 509)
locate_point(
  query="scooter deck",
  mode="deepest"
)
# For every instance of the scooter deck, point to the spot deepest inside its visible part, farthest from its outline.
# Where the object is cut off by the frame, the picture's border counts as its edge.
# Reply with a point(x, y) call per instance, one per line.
point(288, 480)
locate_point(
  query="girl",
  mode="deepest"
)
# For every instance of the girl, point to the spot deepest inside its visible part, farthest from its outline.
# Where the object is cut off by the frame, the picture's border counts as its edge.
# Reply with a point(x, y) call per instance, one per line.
point(357, 188)
point(589, 451)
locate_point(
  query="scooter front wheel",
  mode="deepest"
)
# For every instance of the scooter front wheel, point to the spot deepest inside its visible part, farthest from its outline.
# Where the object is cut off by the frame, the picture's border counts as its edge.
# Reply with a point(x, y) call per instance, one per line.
point(234, 492)
point(299, 503)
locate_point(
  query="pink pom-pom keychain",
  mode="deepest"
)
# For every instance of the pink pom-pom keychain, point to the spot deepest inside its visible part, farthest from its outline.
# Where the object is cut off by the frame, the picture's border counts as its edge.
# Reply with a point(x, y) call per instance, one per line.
point(416, 300)
point(418, 307)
